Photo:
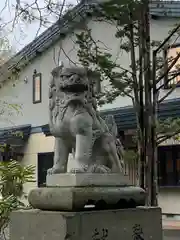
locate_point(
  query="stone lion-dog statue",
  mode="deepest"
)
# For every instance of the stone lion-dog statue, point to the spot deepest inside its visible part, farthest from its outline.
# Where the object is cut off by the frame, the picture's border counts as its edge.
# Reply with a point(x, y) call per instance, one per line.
point(77, 126)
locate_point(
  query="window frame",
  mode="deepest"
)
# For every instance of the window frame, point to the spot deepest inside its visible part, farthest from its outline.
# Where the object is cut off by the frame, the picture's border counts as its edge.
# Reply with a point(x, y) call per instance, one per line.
point(35, 75)
point(168, 85)
point(42, 166)
point(163, 180)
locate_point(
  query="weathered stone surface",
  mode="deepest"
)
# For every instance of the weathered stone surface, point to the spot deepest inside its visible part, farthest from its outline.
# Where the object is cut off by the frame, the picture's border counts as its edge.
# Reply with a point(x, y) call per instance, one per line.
point(75, 198)
point(87, 179)
point(126, 224)
point(77, 125)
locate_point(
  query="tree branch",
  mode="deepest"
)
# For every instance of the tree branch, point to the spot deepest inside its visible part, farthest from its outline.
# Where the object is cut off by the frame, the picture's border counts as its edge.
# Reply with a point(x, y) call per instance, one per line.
point(133, 57)
point(168, 38)
point(165, 137)
point(167, 71)
point(167, 94)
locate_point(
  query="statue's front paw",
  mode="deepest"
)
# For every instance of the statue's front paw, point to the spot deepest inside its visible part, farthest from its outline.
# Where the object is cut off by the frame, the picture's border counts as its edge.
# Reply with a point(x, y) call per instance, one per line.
point(56, 170)
point(50, 171)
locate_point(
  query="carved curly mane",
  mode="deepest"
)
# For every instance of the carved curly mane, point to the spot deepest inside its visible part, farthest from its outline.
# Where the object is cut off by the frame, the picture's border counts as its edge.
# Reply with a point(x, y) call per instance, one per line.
point(70, 85)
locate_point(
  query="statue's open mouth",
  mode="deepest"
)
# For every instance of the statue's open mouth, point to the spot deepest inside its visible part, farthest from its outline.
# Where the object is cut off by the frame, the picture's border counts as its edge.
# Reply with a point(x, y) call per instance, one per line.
point(74, 88)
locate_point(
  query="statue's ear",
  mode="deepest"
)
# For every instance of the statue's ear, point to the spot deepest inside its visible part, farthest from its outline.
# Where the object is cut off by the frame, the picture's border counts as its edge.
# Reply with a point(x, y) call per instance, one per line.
point(95, 80)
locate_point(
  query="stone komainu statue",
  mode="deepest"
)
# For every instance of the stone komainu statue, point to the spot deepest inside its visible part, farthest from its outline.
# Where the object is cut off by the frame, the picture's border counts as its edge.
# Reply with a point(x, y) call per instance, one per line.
point(77, 126)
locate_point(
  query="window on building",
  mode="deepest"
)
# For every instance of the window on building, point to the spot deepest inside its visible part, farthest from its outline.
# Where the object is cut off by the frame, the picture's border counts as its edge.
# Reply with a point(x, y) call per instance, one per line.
point(37, 88)
point(169, 165)
point(173, 77)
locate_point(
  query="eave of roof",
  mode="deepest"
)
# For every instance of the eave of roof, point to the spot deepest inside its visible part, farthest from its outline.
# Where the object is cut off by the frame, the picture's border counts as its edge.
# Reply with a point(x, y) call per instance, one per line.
point(165, 8)
point(15, 136)
point(126, 119)
point(70, 20)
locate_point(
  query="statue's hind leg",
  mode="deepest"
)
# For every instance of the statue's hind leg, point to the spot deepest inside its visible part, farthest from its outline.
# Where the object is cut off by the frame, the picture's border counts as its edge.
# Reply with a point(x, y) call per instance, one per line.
point(61, 153)
point(110, 149)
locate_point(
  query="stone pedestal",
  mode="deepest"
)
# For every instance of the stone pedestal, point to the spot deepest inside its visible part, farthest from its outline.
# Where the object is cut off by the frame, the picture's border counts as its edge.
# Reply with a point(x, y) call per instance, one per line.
point(72, 192)
point(126, 224)
point(87, 179)
point(76, 198)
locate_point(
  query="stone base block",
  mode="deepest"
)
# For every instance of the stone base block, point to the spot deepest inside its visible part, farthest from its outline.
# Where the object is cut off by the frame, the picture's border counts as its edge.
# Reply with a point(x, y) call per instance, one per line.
point(126, 224)
point(87, 179)
point(76, 198)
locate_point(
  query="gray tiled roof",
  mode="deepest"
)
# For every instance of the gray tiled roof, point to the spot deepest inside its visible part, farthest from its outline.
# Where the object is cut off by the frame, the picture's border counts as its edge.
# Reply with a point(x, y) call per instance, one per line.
point(70, 20)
